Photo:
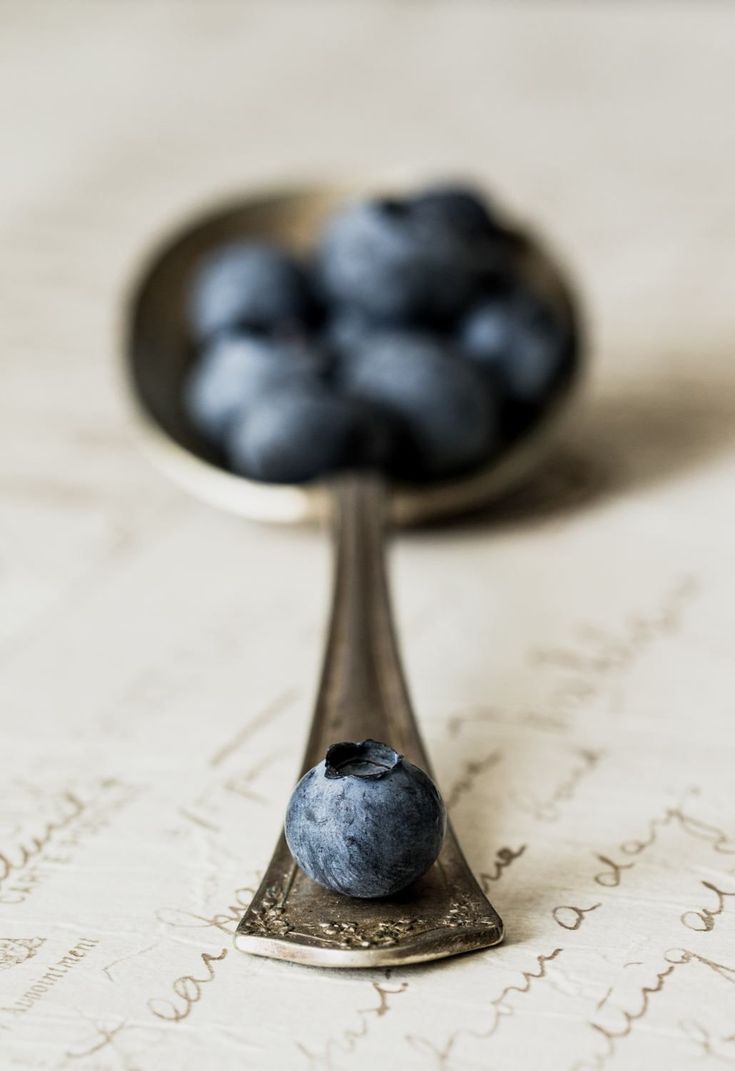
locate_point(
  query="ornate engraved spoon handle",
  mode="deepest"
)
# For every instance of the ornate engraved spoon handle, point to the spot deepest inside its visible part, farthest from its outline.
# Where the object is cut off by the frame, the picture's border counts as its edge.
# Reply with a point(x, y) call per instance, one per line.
point(363, 694)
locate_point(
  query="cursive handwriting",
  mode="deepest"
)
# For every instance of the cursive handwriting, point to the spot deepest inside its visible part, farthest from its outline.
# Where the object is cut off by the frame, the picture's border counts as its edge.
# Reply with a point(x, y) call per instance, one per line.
point(265, 716)
point(188, 989)
point(686, 822)
point(674, 958)
point(704, 920)
point(680, 956)
point(613, 1034)
point(710, 1046)
point(347, 1041)
point(14, 859)
point(470, 771)
point(503, 859)
point(498, 1008)
point(550, 809)
point(242, 783)
point(571, 918)
point(610, 878)
point(480, 715)
point(689, 824)
point(23, 866)
point(103, 1036)
point(225, 921)
point(599, 654)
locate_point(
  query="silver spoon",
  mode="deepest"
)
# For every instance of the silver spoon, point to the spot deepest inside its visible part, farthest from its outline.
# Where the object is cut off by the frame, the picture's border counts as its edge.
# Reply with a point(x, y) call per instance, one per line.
point(362, 693)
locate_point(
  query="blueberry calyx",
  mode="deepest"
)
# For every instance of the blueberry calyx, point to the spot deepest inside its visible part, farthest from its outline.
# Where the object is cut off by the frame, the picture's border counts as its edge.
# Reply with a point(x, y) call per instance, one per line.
point(368, 759)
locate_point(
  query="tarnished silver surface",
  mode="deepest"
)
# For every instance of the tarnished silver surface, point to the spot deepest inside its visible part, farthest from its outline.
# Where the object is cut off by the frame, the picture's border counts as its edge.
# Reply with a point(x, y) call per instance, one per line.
point(362, 692)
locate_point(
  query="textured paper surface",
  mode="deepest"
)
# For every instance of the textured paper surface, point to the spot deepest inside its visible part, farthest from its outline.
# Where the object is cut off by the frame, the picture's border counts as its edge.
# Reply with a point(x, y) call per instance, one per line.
point(570, 656)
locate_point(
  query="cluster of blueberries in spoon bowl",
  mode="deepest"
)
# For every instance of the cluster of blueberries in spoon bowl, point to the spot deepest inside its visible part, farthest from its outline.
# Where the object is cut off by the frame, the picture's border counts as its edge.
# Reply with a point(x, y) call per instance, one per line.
point(407, 340)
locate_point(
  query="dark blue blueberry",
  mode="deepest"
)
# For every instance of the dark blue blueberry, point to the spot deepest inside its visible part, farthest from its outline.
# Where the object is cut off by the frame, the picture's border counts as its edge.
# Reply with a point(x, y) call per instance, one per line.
point(518, 338)
point(440, 403)
point(295, 434)
point(365, 822)
point(248, 284)
point(382, 259)
point(345, 329)
point(459, 208)
point(233, 373)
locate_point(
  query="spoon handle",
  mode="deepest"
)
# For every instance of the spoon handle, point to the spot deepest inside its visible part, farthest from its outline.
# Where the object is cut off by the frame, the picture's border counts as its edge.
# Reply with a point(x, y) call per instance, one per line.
point(363, 694)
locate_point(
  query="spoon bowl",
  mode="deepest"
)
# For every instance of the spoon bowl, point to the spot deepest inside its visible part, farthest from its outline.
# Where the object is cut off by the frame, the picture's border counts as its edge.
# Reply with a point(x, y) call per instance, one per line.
point(160, 353)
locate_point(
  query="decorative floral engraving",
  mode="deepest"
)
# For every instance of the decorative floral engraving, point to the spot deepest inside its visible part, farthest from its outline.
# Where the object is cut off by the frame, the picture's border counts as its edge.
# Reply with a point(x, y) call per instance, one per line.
point(464, 913)
point(270, 918)
point(347, 934)
point(16, 950)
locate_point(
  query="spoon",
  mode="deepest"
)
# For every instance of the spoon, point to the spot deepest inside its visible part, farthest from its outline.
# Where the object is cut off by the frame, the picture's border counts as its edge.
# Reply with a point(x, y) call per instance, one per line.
point(362, 693)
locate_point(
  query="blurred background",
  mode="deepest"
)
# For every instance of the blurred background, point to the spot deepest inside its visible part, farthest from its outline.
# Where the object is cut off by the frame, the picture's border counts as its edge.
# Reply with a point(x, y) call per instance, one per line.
point(607, 125)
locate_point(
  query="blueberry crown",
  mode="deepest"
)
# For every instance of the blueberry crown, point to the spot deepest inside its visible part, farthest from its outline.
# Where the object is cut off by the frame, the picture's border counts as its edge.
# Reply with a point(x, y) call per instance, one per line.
point(368, 759)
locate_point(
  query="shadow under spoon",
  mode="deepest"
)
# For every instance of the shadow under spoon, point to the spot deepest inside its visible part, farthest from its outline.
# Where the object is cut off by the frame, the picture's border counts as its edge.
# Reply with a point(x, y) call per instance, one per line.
point(362, 693)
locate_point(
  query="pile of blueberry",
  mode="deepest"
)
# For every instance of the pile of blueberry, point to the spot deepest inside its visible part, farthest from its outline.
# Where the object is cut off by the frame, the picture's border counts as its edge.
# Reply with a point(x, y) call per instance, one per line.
point(408, 341)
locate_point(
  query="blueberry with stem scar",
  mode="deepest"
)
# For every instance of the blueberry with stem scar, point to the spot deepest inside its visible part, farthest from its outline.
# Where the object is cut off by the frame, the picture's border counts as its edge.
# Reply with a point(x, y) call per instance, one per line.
point(365, 822)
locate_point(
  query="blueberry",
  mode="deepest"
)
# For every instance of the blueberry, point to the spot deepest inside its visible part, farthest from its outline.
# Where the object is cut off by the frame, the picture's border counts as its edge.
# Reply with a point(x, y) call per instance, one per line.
point(516, 337)
point(235, 370)
point(250, 284)
point(294, 434)
point(382, 259)
point(345, 329)
point(440, 402)
point(365, 822)
point(459, 208)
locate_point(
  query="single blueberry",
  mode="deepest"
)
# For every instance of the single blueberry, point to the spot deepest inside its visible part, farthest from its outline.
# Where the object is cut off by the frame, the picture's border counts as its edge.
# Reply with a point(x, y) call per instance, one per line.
point(460, 208)
point(249, 284)
point(381, 259)
point(365, 822)
point(233, 372)
point(518, 338)
point(440, 403)
point(294, 433)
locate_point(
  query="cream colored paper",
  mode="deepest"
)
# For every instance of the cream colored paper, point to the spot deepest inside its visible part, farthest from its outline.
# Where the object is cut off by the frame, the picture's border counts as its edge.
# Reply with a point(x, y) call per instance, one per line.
point(570, 657)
